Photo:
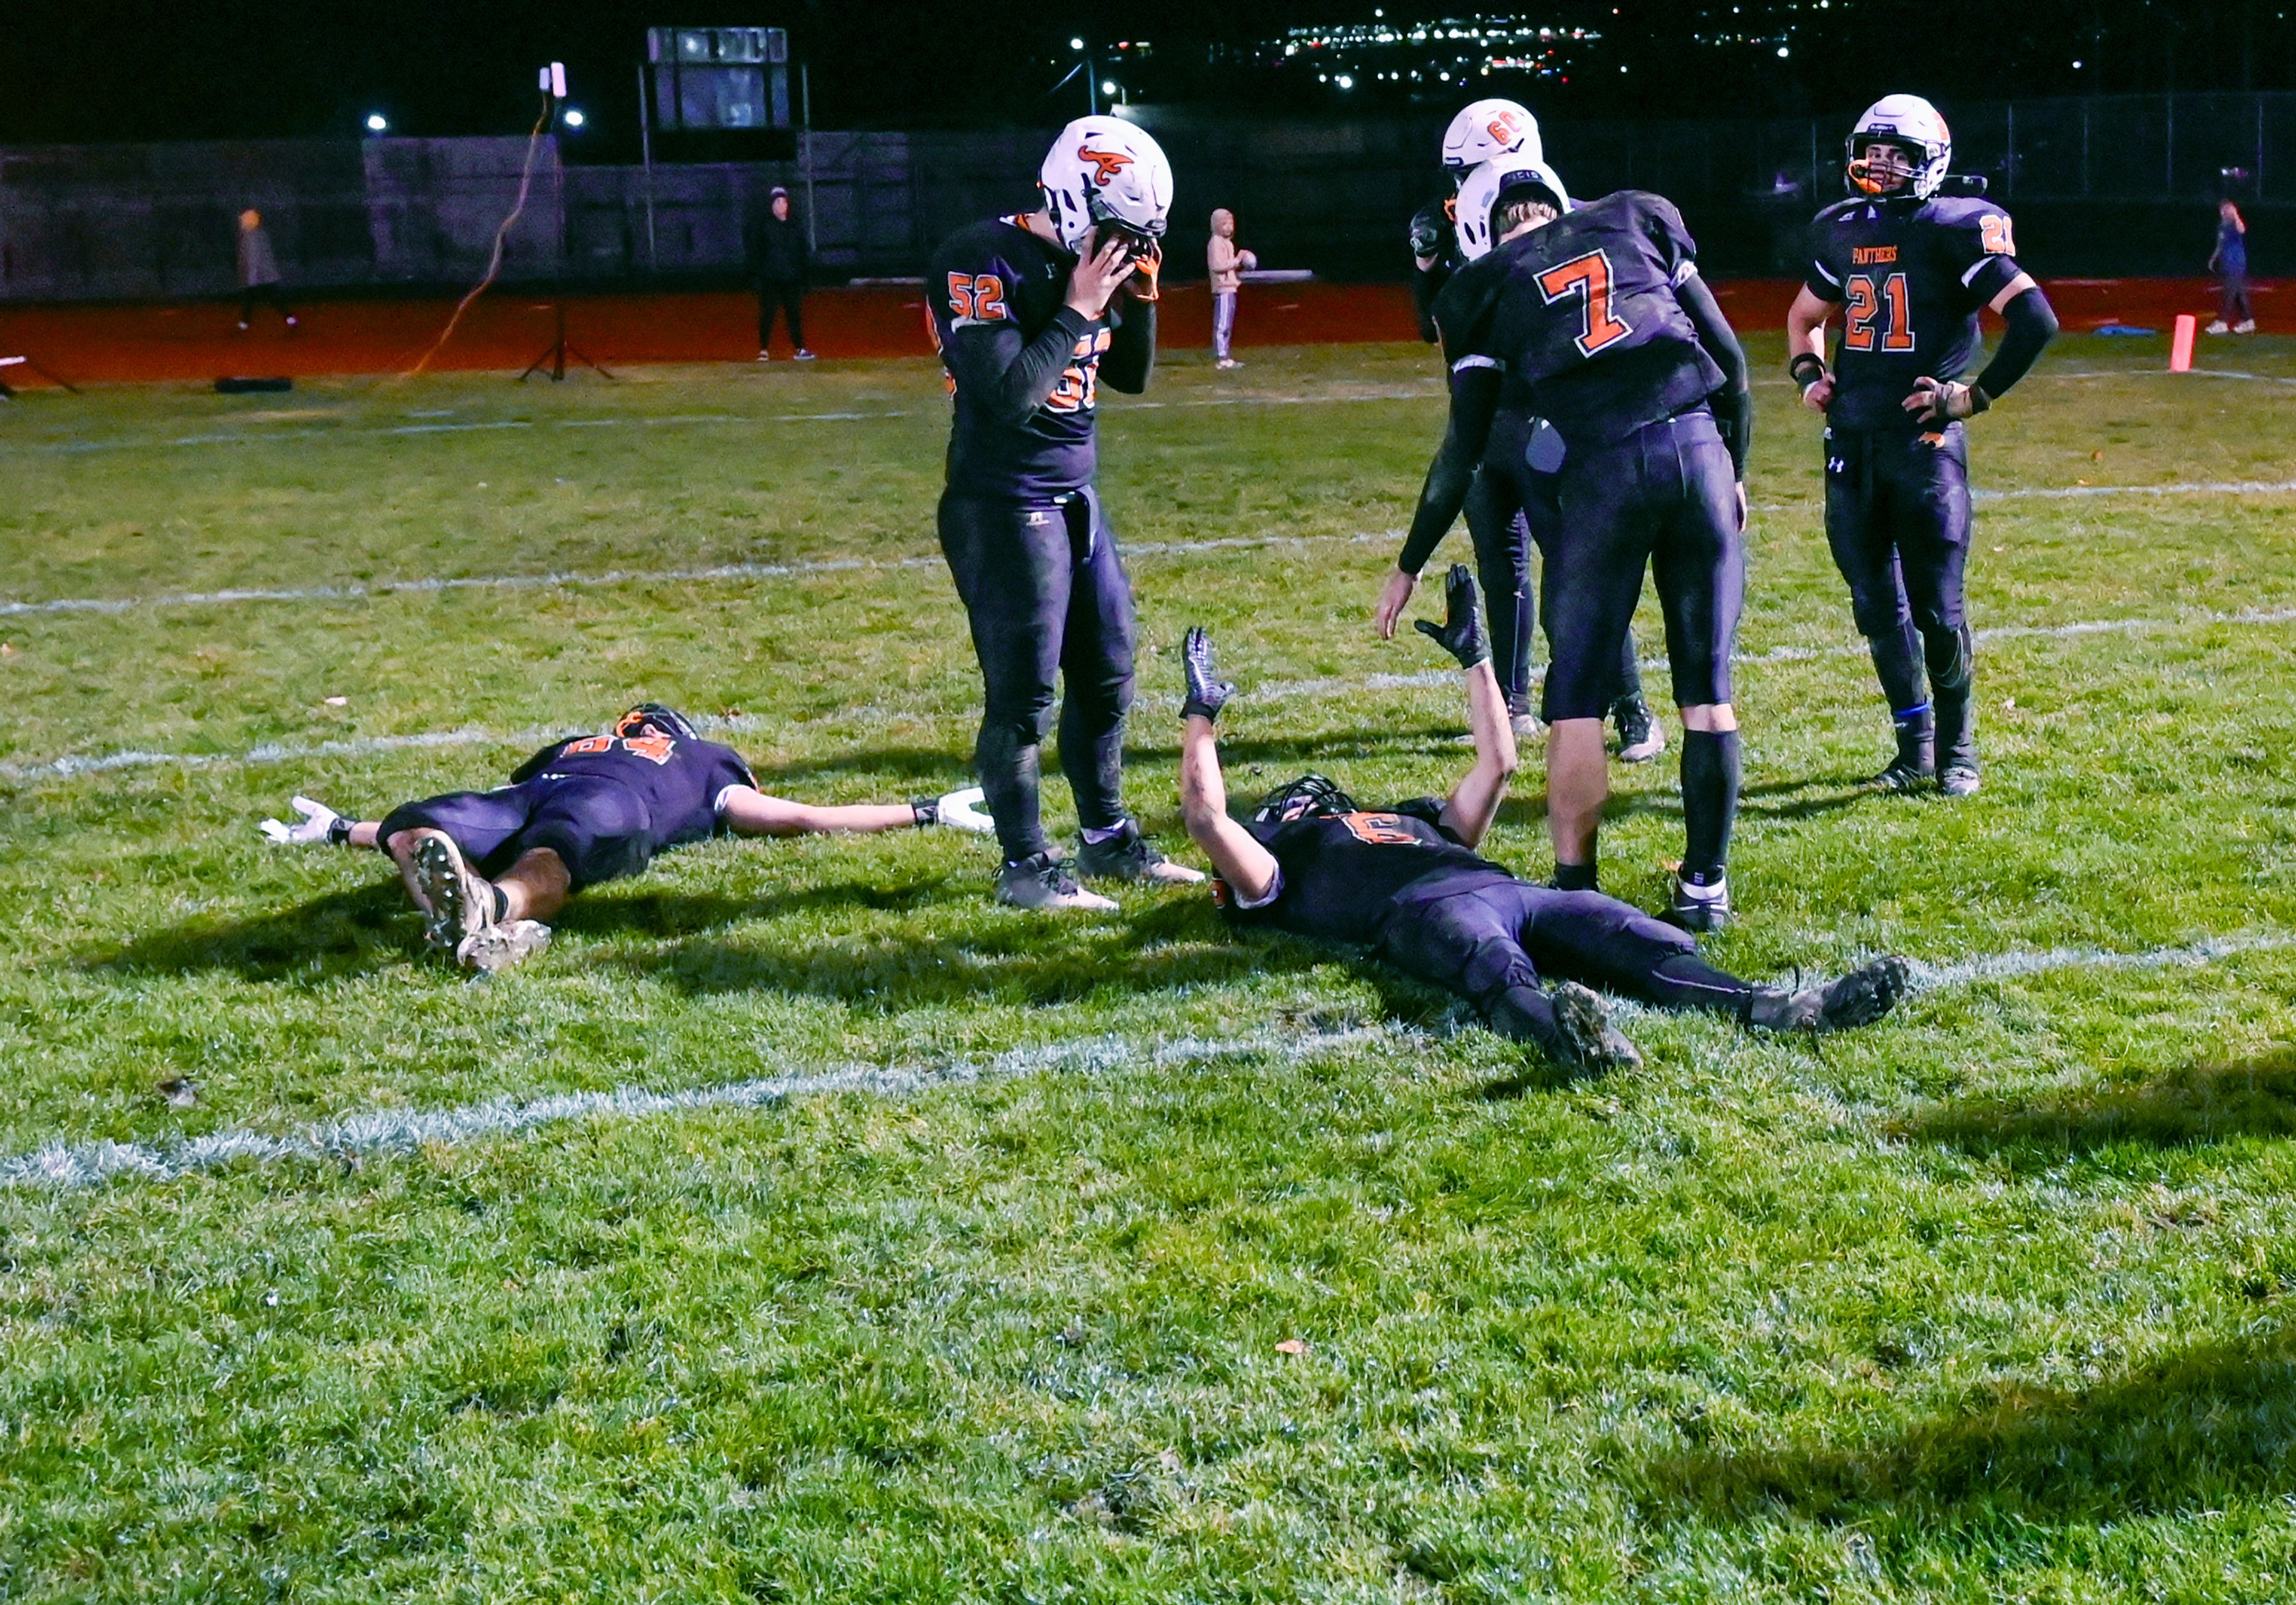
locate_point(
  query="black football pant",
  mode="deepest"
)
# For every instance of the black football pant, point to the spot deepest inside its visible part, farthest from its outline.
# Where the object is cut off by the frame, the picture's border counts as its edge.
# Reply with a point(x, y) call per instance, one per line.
point(1665, 497)
point(1898, 519)
point(600, 829)
point(1507, 512)
point(1492, 945)
point(266, 295)
point(1046, 594)
point(790, 300)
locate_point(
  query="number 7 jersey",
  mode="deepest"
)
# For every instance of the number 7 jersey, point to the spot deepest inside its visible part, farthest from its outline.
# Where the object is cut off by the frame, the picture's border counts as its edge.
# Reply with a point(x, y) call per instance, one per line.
point(1580, 316)
point(1910, 279)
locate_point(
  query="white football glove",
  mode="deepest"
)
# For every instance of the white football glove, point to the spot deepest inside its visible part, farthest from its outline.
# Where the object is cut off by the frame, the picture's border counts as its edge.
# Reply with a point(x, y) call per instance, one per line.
point(316, 826)
point(961, 811)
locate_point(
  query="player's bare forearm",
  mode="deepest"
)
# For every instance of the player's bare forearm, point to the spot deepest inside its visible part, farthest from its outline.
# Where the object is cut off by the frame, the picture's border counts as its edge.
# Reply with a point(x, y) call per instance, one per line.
point(1474, 801)
point(1248, 868)
point(1806, 322)
point(366, 833)
point(751, 812)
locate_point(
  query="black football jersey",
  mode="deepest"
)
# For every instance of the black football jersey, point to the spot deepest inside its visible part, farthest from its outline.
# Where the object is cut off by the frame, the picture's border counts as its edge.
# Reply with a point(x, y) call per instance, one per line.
point(1341, 873)
point(679, 780)
point(1910, 280)
point(1581, 317)
point(990, 291)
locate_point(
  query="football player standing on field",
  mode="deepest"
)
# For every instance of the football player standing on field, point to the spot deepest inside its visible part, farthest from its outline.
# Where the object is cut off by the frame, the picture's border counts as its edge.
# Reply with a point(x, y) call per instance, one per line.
point(1908, 266)
point(1482, 130)
point(1597, 322)
point(1031, 313)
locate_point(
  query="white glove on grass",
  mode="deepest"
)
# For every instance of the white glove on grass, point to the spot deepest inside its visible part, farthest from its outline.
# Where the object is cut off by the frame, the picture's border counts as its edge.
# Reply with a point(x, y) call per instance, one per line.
point(315, 828)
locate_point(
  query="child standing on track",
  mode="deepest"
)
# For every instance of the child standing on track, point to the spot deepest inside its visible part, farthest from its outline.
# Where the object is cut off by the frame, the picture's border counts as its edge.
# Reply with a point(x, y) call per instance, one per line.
point(2229, 262)
point(1228, 265)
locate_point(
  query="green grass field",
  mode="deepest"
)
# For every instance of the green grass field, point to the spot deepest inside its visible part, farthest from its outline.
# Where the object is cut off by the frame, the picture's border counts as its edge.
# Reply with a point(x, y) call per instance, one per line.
point(1102, 1258)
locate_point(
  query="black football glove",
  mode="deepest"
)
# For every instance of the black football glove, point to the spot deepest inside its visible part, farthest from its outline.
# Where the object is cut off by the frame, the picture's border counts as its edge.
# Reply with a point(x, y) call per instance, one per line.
point(1426, 235)
point(1462, 632)
point(1208, 693)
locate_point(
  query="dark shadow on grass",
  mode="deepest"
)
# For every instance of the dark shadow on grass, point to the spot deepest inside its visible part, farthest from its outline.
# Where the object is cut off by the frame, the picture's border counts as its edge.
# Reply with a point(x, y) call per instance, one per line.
point(2202, 1427)
point(342, 933)
point(2198, 1104)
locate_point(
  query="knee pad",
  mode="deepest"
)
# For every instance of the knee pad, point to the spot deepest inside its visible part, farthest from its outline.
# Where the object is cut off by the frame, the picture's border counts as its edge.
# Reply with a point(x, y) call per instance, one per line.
point(1951, 655)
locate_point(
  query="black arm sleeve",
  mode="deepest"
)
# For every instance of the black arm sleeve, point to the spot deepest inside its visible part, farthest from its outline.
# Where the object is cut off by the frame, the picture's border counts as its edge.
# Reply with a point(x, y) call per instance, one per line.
point(1131, 356)
point(1426, 285)
point(2032, 325)
point(1733, 403)
point(993, 365)
point(1474, 403)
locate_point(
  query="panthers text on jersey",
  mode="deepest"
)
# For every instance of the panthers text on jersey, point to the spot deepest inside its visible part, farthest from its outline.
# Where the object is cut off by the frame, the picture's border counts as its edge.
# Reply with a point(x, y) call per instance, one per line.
point(992, 293)
point(1910, 280)
point(679, 780)
point(1580, 317)
point(1341, 873)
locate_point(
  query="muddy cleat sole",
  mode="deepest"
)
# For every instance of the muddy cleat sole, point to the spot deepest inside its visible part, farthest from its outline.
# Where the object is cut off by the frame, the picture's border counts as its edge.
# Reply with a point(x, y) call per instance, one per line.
point(1589, 1044)
point(1857, 999)
point(1641, 737)
point(1688, 912)
point(458, 903)
point(1043, 881)
point(500, 946)
point(1960, 780)
point(1131, 857)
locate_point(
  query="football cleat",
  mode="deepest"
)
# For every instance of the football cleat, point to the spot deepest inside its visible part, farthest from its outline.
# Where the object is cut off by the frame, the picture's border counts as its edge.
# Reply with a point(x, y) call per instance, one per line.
point(1703, 909)
point(1959, 779)
point(1129, 857)
point(1042, 880)
point(1640, 736)
point(1590, 1044)
point(500, 946)
point(1857, 999)
point(1903, 774)
point(458, 903)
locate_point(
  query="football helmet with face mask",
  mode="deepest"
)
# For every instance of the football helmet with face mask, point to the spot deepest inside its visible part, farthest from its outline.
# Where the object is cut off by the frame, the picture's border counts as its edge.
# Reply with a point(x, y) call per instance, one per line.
point(1485, 130)
point(1911, 129)
point(1104, 172)
point(1490, 187)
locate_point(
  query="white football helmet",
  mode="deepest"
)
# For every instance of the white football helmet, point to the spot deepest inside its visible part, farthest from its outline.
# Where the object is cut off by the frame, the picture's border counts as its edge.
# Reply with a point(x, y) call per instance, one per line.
point(1913, 125)
point(1489, 129)
point(1500, 179)
point(1103, 170)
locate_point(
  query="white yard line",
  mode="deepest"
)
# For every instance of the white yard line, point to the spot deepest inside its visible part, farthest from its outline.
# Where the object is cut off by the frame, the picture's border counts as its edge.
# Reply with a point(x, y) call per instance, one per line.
point(397, 1130)
point(1273, 691)
point(61, 1166)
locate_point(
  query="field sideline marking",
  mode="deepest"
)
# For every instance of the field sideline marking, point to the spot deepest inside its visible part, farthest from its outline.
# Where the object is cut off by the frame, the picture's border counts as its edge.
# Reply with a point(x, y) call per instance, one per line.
point(798, 568)
point(63, 1165)
point(71, 765)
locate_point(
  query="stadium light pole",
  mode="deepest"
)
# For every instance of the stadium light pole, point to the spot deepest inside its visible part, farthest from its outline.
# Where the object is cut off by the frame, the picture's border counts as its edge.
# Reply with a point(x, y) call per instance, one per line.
point(1091, 79)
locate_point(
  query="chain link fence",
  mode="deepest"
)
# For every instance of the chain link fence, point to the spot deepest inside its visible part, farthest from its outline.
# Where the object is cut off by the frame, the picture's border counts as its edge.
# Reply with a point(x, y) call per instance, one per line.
point(2109, 186)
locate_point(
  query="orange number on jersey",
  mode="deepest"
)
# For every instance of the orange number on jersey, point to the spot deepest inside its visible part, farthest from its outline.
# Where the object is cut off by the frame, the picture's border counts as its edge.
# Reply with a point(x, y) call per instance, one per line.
point(1864, 311)
point(588, 744)
point(1995, 231)
point(655, 747)
point(1079, 387)
point(976, 298)
point(1588, 277)
point(960, 295)
point(1380, 829)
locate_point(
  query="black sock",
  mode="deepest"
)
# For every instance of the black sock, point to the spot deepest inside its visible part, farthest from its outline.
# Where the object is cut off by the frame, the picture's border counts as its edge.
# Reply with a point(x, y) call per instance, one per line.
point(1092, 757)
point(1010, 775)
point(1897, 665)
point(1575, 877)
point(1710, 801)
point(1687, 981)
point(502, 903)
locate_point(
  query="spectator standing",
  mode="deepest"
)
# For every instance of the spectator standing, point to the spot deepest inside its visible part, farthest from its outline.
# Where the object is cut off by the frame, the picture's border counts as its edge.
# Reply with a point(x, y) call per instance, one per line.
point(2229, 263)
point(782, 266)
point(1228, 265)
point(259, 271)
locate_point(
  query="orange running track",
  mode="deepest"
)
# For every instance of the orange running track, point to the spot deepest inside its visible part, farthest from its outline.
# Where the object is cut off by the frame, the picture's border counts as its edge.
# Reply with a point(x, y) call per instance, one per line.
point(506, 329)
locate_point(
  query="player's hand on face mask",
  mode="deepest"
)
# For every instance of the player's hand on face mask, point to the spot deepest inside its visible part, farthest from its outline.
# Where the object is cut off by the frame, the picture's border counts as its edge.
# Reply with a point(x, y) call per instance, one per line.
point(1462, 631)
point(316, 826)
point(1146, 268)
point(1933, 402)
point(1426, 240)
point(1392, 601)
point(1097, 274)
point(1208, 693)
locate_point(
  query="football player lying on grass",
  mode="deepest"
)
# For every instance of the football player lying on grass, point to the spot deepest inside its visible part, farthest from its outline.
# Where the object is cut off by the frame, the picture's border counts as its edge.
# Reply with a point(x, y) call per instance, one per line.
point(1405, 882)
point(487, 869)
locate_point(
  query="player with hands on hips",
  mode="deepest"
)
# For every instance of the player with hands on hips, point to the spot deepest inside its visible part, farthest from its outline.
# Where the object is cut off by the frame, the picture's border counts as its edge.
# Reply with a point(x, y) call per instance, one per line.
point(1031, 314)
point(1908, 261)
point(487, 869)
point(1408, 883)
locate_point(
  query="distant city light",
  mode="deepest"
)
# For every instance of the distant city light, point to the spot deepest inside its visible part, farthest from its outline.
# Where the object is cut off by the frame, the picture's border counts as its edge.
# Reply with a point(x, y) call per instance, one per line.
point(376, 123)
point(1108, 85)
point(1076, 43)
point(575, 119)
point(1782, 52)
point(2076, 65)
point(1344, 81)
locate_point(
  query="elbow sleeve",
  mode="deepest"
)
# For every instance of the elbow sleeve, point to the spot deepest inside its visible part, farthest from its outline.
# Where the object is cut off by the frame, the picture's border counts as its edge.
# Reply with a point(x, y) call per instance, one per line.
point(2032, 325)
point(1734, 415)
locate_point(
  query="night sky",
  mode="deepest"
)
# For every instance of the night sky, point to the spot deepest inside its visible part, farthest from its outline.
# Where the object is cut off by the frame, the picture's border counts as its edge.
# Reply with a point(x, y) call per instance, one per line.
point(132, 69)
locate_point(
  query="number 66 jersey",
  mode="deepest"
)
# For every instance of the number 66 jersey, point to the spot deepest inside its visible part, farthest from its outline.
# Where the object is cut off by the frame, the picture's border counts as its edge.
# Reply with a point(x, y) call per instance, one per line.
point(1581, 319)
point(1910, 277)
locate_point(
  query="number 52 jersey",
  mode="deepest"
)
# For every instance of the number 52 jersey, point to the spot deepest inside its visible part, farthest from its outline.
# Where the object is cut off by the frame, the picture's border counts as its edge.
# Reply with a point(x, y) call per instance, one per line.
point(1910, 279)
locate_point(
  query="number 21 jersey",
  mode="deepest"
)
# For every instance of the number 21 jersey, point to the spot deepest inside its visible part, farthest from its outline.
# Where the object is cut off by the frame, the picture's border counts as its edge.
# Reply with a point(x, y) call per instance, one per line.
point(1909, 278)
